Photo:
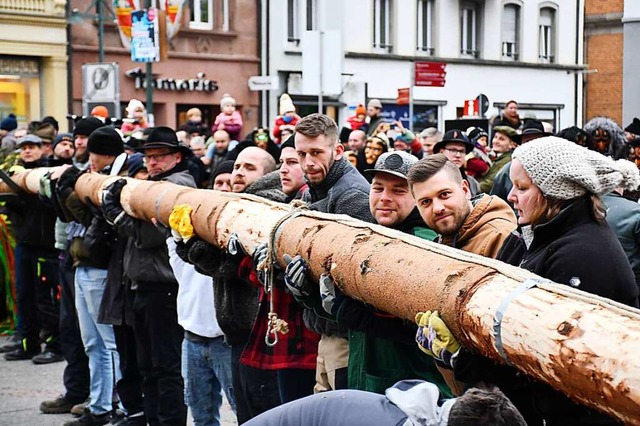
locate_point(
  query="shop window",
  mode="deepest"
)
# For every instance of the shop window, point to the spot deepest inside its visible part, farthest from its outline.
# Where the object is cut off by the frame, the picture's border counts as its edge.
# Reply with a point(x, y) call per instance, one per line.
point(382, 26)
point(547, 36)
point(424, 30)
point(469, 29)
point(209, 15)
point(510, 32)
point(19, 89)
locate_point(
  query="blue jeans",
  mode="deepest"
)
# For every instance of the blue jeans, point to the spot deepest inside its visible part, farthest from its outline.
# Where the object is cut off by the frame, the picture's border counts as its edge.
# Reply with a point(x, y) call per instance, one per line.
point(98, 339)
point(206, 368)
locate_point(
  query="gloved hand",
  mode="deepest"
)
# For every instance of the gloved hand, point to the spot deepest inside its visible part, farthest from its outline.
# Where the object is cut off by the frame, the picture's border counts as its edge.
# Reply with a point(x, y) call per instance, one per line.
point(180, 223)
point(111, 207)
point(67, 180)
point(259, 257)
point(295, 275)
point(434, 338)
point(204, 256)
point(331, 295)
point(234, 248)
point(95, 210)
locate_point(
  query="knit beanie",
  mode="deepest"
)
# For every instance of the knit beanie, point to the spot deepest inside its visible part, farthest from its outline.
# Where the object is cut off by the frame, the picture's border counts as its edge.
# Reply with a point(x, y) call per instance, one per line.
point(564, 171)
point(9, 123)
point(62, 137)
point(289, 142)
point(227, 100)
point(100, 111)
point(194, 111)
point(135, 163)
point(105, 141)
point(222, 168)
point(86, 126)
point(133, 105)
point(361, 110)
point(286, 104)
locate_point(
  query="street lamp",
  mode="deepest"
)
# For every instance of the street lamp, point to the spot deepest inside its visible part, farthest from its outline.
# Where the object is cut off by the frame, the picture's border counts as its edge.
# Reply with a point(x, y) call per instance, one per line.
point(78, 17)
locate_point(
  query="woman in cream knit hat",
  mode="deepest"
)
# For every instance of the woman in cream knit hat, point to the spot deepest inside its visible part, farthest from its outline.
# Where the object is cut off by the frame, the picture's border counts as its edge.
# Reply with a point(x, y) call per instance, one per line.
point(556, 193)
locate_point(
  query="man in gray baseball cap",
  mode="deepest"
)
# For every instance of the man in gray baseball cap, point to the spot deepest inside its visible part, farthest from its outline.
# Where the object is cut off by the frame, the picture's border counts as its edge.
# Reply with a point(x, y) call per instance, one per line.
point(392, 206)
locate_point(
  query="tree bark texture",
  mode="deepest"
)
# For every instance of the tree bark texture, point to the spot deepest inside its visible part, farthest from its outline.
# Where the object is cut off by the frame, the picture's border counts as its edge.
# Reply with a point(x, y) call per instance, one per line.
point(580, 344)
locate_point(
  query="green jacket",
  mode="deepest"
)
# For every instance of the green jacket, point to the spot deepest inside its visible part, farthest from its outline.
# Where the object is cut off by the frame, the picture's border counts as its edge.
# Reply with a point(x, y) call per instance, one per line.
point(382, 348)
point(487, 181)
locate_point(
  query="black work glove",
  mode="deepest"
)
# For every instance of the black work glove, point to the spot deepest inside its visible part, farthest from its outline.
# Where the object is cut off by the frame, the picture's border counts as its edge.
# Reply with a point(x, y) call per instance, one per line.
point(95, 210)
point(204, 256)
point(67, 181)
point(111, 207)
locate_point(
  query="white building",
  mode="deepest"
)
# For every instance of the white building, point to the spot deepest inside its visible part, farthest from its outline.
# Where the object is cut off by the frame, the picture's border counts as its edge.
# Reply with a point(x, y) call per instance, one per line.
point(527, 50)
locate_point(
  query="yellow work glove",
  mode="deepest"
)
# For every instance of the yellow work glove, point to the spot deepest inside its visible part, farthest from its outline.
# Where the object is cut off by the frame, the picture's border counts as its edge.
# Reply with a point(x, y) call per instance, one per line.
point(180, 223)
point(435, 339)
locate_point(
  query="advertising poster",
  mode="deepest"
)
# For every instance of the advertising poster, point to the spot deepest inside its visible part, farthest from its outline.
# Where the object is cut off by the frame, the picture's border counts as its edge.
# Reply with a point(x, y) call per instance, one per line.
point(145, 36)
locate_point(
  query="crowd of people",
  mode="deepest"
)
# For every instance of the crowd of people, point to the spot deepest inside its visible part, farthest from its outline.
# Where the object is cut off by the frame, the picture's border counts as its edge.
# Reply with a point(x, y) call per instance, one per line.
point(152, 319)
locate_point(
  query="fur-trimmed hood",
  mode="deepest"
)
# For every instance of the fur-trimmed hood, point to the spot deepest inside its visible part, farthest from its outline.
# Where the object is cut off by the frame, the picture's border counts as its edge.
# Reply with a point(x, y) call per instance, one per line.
point(616, 148)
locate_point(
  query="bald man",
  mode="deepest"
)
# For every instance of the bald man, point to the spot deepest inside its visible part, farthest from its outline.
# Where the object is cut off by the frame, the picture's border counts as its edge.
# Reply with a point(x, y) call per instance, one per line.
point(252, 163)
point(357, 140)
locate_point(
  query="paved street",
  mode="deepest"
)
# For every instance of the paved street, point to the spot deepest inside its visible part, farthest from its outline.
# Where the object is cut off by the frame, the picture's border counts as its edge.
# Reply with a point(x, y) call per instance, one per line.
point(23, 385)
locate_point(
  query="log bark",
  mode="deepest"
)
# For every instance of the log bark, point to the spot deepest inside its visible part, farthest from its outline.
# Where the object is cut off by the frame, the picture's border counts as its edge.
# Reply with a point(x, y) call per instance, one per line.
point(582, 345)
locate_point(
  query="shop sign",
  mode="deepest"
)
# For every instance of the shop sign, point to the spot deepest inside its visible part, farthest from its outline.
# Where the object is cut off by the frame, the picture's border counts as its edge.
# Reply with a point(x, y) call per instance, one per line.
point(198, 84)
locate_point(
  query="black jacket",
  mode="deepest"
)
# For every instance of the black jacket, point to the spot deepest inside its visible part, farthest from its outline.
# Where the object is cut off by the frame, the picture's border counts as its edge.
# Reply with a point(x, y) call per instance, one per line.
point(146, 259)
point(236, 301)
point(32, 220)
point(572, 244)
point(343, 191)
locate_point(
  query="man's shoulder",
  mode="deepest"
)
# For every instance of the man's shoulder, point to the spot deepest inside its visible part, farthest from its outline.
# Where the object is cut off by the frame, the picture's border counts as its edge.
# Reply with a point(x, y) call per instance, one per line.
point(181, 178)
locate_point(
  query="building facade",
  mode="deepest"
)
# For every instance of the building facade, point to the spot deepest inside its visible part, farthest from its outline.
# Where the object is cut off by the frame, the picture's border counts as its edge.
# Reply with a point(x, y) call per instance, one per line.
point(214, 53)
point(33, 60)
point(527, 50)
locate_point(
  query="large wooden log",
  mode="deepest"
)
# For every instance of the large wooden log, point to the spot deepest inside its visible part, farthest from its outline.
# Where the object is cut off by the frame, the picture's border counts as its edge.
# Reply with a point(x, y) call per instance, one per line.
point(582, 345)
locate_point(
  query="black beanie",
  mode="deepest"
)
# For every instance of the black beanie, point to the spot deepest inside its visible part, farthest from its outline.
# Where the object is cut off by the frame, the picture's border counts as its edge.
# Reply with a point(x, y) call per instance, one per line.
point(289, 143)
point(86, 126)
point(222, 168)
point(105, 141)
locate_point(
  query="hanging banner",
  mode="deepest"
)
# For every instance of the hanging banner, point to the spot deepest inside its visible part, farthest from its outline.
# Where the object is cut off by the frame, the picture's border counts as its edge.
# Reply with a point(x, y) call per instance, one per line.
point(173, 8)
point(145, 36)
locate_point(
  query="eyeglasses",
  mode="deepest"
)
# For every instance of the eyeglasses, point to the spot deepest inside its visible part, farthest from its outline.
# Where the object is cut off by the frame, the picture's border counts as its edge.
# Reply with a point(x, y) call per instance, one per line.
point(455, 151)
point(157, 157)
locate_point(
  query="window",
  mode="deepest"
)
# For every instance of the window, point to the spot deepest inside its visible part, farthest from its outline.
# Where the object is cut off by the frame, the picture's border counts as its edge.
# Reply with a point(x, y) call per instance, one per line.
point(293, 12)
point(209, 15)
point(382, 26)
point(510, 31)
point(469, 30)
point(311, 15)
point(425, 26)
point(547, 35)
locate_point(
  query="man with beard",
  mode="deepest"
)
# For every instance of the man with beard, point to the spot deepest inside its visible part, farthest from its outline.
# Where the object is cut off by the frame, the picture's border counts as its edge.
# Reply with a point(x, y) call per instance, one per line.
point(479, 225)
point(63, 150)
point(374, 115)
point(374, 148)
point(81, 134)
point(335, 186)
point(509, 117)
point(455, 145)
point(382, 347)
point(235, 299)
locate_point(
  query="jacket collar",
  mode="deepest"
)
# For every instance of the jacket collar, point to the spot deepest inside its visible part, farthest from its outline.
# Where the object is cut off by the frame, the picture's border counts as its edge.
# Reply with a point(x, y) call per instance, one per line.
point(336, 171)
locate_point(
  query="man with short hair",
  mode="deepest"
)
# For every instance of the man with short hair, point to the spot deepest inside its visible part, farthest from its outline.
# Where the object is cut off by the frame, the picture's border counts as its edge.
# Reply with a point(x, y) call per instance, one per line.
point(146, 263)
point(335, 186)
point(479, 225)
point(252, 163)
point(408, 402)
point(218, 149)
point(357, 140)
point(509, 116)
point(381, 346)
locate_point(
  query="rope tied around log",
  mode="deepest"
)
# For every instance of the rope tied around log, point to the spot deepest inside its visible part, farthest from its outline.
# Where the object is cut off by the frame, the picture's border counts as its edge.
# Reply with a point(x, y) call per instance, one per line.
point(275, 325)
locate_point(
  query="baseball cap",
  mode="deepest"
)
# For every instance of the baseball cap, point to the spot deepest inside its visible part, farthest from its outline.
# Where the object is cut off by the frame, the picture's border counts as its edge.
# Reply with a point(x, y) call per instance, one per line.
point(395, 163)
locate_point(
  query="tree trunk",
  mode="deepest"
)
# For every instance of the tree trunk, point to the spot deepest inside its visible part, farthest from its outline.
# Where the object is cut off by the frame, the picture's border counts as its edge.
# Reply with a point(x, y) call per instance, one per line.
point(580, 344)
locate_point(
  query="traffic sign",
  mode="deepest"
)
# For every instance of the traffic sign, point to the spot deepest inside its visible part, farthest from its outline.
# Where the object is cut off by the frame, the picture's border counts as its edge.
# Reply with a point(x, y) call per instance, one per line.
point(429, 74)
point(263, 82)
point(100, 86)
